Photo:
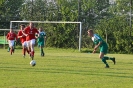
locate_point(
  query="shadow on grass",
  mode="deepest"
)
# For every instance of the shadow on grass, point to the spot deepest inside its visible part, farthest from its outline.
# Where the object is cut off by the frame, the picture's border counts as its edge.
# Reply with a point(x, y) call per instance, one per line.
point(72, 71)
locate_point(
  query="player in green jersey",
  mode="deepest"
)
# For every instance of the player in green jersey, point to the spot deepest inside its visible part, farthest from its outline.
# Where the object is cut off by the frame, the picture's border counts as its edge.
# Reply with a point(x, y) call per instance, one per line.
point(41, 40)
point(99, 42)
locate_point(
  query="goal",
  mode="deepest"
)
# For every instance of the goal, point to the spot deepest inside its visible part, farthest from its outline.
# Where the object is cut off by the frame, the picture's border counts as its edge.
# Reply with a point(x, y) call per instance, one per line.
point(54, 22)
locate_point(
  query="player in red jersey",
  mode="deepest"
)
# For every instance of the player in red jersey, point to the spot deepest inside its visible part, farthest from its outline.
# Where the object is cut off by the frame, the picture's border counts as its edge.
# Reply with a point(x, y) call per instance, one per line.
point(11, 37)
point(23, 40)
point(30, 32)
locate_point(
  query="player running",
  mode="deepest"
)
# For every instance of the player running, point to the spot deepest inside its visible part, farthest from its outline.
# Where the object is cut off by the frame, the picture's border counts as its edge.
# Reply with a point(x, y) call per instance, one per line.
point(41, 41)
point(30, 32)
point(11, 37)
point(98, 41)
point(23, 40)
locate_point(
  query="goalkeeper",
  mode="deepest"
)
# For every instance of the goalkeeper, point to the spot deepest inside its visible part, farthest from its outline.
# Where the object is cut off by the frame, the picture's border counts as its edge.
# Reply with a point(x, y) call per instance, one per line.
point(41, 40)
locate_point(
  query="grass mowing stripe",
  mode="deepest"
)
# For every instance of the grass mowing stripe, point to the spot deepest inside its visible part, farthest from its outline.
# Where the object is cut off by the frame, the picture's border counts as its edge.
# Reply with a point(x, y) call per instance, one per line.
point(64, 68)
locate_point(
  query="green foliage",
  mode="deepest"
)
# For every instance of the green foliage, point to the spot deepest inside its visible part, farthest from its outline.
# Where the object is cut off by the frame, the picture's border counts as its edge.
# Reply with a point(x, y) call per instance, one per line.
point(9, 10)
point(118, 34)
point(113, 20)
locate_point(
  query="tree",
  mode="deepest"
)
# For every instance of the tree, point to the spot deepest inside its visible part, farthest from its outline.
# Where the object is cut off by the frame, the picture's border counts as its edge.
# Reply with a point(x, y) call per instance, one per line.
point(9, 11)
point(117, 28)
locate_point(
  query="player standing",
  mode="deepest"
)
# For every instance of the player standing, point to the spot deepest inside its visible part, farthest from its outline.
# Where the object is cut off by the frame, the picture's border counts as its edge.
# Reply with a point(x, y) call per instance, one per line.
point(23, 40)
point(11, 37)
point(41, 40)
point(30, 32)
point(98, 41)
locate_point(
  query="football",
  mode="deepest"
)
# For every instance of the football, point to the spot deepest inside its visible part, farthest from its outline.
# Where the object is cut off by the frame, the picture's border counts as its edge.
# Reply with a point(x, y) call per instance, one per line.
point(33, 63)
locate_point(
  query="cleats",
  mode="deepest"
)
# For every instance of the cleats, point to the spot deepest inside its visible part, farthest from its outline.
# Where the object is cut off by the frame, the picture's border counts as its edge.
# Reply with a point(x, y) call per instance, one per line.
point(23, 56)
point(42, 54)
point(32, 55)
point(113, 59)
point(107, 66)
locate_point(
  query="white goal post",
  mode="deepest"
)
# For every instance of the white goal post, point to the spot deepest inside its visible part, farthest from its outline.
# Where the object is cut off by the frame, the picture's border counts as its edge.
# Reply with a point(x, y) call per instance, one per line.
point(80, 24)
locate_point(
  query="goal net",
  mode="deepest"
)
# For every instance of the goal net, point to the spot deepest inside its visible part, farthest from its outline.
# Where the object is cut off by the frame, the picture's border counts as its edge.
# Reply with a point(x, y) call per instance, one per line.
point(59, 34)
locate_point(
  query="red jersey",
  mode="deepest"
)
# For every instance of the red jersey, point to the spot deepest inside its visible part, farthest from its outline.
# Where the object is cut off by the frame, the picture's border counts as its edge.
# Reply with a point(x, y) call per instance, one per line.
point(31, 33)
point(11, 36)
point(22, 39)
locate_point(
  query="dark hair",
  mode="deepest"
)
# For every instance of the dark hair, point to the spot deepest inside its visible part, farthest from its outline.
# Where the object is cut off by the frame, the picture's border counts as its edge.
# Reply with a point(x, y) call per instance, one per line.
point(22, 25)
point(90, 30)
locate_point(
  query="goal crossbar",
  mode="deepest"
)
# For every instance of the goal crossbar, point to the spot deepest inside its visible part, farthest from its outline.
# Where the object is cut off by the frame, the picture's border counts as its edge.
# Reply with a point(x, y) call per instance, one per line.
point(80, 23)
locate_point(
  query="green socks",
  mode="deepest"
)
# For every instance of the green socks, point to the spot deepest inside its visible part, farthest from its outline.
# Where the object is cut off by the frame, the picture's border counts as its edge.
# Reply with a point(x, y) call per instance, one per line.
point(104, 60)
point(42, 52)
point(8, 49)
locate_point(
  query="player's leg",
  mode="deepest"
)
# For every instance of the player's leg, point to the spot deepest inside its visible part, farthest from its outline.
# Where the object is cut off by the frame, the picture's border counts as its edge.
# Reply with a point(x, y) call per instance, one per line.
point(41, 45)
point(41, 49)
point(28, 47)
point(32, 43)
point(14, 46)
point(110, 58)
point(101, 56)
point(23, 48)
point(103, 51)
point(11, 44)
point(8, 50)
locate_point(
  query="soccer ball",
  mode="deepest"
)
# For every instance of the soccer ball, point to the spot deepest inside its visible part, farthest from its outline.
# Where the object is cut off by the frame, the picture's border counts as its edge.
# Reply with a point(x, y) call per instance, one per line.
point(33, 63)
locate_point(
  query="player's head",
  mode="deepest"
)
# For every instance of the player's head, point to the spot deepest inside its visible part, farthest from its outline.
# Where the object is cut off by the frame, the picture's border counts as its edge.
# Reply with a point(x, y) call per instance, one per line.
point(31, 25)
point(40, 29)
point(22, 26)
point(11, 30)
point(90, 32)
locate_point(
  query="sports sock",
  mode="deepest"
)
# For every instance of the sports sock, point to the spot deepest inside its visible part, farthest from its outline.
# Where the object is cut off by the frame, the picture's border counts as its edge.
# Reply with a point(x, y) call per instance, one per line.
point(11, 51)
point(32, 53)
point(104, 60)
point(111, 58)
point(42, 51)
point(27, 50)
point(108, 58)
point(24, 51)
point(8, 48)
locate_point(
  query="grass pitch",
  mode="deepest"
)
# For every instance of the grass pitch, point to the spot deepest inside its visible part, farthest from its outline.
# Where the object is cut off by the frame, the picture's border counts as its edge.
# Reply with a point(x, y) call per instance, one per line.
point(64, 68)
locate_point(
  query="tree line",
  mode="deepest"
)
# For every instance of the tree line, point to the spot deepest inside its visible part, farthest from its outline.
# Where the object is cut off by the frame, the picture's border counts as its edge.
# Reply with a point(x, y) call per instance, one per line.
point(113, 21)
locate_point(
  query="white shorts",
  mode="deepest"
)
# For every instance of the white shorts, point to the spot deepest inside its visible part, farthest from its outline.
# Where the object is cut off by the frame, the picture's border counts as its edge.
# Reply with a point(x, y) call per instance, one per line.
point(24, 44)
point(11, 43)
point(31, 42)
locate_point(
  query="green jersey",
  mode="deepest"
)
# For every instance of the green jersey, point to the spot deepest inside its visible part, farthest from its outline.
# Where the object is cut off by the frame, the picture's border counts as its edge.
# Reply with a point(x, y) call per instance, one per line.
point(41, 36)
point(103, 47)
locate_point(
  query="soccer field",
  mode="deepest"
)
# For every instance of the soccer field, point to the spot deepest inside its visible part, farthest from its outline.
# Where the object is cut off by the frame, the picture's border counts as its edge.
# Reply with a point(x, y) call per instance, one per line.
point(64, 68)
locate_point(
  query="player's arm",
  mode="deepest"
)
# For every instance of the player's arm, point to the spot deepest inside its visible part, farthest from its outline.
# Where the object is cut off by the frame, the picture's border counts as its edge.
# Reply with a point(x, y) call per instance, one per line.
point(100, 42)
point(37, 33)
point(36, 36)
point(24, 33)
point(96, 46)
point(20, 36)
point(7, 36)
point(44, 34)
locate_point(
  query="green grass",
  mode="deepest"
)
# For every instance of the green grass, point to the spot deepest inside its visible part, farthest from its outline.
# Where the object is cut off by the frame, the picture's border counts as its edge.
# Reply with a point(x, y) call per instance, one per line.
point(64, 68)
